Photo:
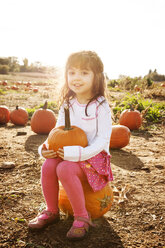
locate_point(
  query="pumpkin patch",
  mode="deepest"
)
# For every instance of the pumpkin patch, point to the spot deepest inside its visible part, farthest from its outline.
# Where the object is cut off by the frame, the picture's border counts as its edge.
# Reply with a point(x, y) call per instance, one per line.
point(136, 216)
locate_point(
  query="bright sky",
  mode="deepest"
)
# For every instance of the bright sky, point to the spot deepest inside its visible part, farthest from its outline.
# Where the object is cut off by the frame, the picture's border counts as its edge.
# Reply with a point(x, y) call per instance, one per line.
point(128, 35)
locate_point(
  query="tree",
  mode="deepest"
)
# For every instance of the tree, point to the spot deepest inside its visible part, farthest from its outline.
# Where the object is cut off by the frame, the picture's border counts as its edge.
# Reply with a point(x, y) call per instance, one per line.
point(25, 66)
point(4, 69)
point(14, 64)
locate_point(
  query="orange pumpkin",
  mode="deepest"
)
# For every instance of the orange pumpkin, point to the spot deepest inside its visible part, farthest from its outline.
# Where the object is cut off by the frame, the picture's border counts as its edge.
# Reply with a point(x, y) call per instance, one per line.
point(131, 119)
point(19, 116)
point(43, 120)
point(162, 85)
point(4, 83)
point(97, 203)
point(136, 88)
point(14, 87)
point(120, 136)
point(35, 90)
point(4, 114)
point(66, 135)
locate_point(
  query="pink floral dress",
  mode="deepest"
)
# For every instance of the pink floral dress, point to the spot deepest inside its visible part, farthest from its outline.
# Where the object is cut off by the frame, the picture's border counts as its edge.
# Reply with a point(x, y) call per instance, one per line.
point(98, 170)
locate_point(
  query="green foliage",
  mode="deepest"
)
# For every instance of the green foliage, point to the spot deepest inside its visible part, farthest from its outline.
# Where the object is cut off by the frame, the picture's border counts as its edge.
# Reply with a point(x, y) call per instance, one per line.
point(134, 101)
point(127, 83)
point(11, 64)
point(4, 69)
point(153, 75)
point(51, 105)
point(19, 219)
point(2, 92)
point(152, 112)
point(156, 112)
point(112, 83)
point(149, 82)
point(31, 111)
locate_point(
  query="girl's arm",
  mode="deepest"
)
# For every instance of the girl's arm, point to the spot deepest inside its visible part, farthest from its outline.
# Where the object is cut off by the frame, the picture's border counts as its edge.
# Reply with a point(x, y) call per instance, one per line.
point(100, 143)
point(45, 144)
point(44, 151)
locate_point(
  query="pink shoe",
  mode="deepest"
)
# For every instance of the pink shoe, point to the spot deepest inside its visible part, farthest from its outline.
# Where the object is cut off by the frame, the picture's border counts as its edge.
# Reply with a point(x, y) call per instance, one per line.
point(78, 233)
point(39, 223)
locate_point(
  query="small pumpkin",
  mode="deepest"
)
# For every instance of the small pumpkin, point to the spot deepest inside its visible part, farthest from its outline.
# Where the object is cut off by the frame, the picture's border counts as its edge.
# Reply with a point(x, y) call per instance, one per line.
point(35, 90)
point(120, 136)
point(66, 135)
point(136, 88)
point(4, 114)
point(162, 85)
point(131, 118)
point(4, 83)
point(28, 84)
point(43, 120)
point(97, 203)
point(14, 87)
point(19, 116)
point(18, 83)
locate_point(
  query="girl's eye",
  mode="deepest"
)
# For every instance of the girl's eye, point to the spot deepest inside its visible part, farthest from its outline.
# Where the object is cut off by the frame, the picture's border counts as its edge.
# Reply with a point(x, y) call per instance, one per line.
point(84, 72)
point(71, 72)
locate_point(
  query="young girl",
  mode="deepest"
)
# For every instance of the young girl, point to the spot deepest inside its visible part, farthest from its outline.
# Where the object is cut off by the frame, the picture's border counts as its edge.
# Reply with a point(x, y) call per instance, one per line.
point(84, 93)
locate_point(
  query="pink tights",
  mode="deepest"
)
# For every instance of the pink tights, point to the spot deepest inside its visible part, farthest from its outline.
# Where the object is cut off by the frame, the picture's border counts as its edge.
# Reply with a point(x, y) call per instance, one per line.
point(70, 174)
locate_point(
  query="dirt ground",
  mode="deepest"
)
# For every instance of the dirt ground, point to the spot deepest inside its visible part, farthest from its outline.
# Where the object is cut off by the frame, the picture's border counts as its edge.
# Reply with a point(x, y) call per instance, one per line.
point(137, 216)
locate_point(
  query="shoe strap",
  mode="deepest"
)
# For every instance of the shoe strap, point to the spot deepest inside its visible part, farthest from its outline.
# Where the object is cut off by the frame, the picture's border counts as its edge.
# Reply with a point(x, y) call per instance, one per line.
point(88, 221)
point(48, 213)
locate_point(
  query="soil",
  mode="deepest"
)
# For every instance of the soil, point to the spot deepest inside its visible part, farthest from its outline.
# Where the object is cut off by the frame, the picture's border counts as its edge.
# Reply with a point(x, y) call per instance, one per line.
point(137, 216)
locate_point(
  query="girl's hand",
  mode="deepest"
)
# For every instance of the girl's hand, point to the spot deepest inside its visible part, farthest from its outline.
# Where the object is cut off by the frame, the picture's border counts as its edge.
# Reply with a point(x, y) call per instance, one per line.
point(60, 153)
point(48, 153)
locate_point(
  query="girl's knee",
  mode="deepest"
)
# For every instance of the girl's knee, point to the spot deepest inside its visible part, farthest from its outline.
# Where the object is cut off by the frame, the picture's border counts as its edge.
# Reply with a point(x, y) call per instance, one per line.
point(49, 166)
point(64, 170)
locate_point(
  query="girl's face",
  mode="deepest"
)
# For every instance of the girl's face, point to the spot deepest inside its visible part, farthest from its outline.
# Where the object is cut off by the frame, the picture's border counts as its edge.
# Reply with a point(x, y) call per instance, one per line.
point(80, 81)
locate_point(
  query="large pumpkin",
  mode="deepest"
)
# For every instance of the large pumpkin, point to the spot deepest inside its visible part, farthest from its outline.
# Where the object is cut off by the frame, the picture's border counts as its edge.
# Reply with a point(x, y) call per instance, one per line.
point(4, 115)
point(120, 136)
point(66, 135)
point(19, 116)
point(131, 119)
point(43, 120)
point(97, 203)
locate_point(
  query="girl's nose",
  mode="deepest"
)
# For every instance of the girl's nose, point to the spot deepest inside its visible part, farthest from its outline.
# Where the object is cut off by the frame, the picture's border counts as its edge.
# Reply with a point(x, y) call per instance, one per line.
point(77, 76)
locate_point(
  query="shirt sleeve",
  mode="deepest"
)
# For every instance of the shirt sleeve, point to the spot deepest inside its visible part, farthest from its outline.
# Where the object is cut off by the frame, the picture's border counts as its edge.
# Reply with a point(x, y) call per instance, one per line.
point(101, 141)
point(40, 147)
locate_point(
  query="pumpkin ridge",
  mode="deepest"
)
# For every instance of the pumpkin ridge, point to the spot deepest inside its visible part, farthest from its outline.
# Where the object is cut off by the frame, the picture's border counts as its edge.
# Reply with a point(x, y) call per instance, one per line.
point(92, 203)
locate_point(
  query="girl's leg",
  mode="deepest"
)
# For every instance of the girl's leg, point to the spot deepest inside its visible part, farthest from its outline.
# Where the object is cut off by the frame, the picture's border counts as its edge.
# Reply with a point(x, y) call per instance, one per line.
point(70, 174)
point(50, 189)
point(50, 185)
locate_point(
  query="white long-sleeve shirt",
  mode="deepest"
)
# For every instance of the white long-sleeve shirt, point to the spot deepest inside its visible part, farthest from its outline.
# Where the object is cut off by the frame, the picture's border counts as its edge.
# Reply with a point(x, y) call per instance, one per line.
point(97, 126)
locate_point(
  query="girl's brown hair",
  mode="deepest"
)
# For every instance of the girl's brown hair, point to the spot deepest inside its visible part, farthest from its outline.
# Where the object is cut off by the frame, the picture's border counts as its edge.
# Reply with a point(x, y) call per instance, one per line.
point(85, 60)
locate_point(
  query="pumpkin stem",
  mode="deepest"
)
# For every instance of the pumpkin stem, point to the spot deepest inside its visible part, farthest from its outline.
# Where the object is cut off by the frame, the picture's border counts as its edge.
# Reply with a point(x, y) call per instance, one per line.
point(17, 107)
point(67, 119)
point(45, 105)
point(131, 107)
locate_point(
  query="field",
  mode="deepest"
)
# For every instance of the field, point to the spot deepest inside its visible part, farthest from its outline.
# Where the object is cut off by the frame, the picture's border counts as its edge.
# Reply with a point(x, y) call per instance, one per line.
point(137, 216)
